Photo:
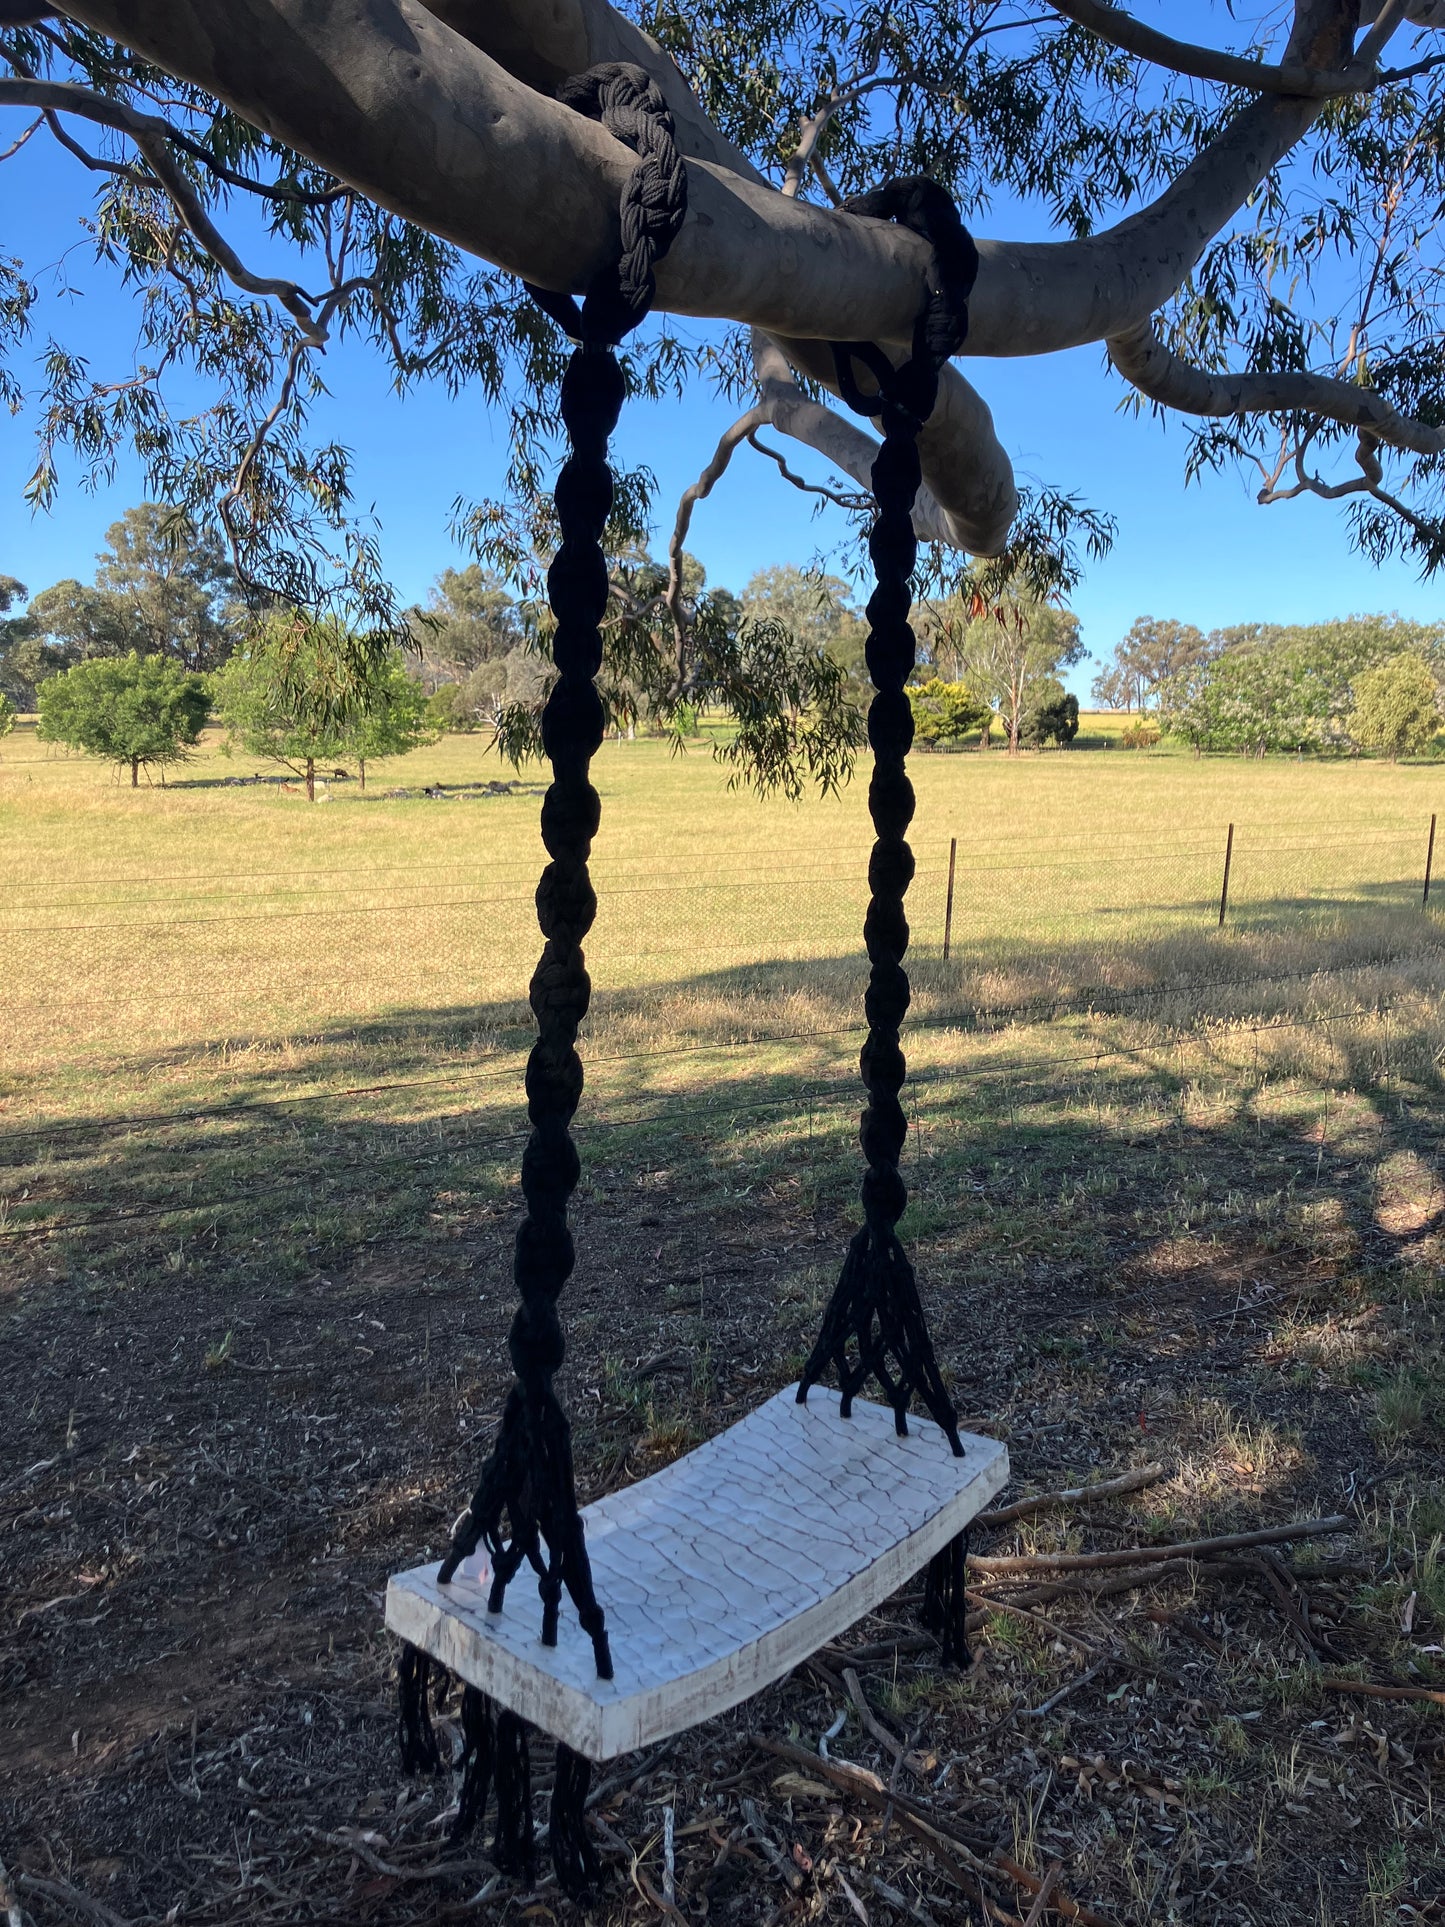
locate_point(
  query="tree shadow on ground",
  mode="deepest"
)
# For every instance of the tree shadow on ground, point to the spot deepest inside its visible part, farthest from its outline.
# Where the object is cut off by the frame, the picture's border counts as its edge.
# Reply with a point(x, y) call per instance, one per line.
point(264, 1373)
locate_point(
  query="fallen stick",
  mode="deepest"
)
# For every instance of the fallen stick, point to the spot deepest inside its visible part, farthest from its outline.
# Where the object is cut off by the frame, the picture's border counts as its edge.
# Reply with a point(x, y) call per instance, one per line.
point(1041, 1898)
point(1138, 1555)
point(878, 1649)
point(873, 1790)
point(916, 1765)
point(72, 1898)
point(914, 1909)
point(1370, 1691)
point(1114, 1582)
point(1059, 1901)
point(1134, 1481)
point(950, 1848)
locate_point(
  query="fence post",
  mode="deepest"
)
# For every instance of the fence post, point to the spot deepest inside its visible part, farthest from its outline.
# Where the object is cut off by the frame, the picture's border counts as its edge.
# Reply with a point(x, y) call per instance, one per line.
point(1224, 891)
point(948, 904)
point(1429, 862)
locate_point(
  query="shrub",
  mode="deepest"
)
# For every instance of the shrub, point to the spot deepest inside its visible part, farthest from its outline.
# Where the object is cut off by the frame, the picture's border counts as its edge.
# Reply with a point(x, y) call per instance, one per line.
point(946, 712)
point(129, 709)
point(1142, 733)
point(1050, 715)
point(1397, 707)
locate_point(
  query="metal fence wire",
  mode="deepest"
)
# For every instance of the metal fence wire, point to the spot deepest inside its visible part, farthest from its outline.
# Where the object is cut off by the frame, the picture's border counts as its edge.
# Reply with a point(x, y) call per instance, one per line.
point(92, 958)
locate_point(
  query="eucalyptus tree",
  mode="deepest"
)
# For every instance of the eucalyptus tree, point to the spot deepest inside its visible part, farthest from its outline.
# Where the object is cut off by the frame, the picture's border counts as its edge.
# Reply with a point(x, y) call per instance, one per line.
point(1245, 221)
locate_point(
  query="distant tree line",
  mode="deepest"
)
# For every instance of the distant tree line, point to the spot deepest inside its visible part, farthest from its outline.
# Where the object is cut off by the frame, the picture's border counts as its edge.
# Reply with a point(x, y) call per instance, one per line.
point(132, 665)
point(1361, 683)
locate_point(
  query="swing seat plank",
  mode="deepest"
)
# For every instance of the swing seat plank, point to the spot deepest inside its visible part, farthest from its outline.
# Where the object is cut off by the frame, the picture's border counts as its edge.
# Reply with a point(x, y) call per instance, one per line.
point(718, 1574)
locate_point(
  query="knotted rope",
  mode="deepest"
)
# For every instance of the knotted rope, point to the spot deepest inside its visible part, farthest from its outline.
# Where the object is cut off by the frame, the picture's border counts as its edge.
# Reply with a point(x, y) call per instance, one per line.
point(525, 1504)
point(874, 1326)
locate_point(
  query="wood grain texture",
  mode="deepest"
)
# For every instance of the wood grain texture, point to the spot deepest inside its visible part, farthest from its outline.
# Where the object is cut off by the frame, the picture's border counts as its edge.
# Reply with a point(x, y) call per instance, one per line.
point(719, 1574)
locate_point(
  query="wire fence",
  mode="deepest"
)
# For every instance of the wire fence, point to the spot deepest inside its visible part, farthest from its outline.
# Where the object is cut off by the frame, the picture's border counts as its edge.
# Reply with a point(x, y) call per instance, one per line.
point(164, 953)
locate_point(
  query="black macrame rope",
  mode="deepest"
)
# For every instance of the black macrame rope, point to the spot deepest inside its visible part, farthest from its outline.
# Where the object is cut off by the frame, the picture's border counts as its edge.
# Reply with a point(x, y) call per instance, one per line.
point(874, 1326)
point(525, 1504)
point(528, 1478)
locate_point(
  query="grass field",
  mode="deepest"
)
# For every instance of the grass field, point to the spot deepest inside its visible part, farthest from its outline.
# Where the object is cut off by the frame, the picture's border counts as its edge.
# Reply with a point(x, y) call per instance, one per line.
point(1176, 1195)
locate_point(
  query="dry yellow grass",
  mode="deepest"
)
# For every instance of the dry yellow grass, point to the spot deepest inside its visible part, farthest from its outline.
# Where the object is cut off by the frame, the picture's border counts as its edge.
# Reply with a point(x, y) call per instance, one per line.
point(206, 915)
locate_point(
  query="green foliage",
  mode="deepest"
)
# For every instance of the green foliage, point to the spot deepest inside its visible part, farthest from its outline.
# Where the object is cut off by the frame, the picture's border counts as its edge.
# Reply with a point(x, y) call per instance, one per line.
point(398, 716)
point(21, 662)
point(1254, 701)
point(946, 712)
point(451, 711)
point(469, 619)
point(795, 710)
point(795, 716)
point(1397, 707)
point(7, 715)
point(134, 709)
point(815, 607)
point(305, 692)
point(1151, 655)
point(1051, 715)
point(162, 587)
point(1260, 689)
point(1003, 649)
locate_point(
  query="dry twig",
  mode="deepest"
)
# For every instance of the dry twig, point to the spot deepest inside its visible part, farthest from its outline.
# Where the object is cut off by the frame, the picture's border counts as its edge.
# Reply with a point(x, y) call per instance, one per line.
point(1370, 1691)
point(1139, 1555)
point(1115, 1488)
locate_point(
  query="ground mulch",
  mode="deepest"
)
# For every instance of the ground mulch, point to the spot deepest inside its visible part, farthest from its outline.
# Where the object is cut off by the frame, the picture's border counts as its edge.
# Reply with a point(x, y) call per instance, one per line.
point(200, 1503)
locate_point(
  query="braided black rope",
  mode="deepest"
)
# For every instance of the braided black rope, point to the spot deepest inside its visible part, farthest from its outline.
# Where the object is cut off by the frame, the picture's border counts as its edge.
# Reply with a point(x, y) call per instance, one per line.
point(525, 1505)
point(874, 1326)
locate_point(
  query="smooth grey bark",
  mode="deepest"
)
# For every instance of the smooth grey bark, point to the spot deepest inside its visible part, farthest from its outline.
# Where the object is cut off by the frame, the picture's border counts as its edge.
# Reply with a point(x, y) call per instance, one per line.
point(389, 98)
point(439, 113)
point(1157, 372)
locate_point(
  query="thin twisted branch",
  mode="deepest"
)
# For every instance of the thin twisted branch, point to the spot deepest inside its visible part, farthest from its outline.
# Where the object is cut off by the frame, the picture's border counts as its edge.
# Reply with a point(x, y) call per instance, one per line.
point(1167, 378)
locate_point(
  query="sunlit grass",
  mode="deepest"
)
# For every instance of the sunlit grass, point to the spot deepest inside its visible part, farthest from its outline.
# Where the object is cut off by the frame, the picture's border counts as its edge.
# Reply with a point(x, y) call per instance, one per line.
point(239, 920)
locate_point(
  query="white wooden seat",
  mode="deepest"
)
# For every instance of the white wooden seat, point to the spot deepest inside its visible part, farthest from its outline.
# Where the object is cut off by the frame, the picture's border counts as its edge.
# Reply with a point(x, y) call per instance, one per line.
point(718, 1574)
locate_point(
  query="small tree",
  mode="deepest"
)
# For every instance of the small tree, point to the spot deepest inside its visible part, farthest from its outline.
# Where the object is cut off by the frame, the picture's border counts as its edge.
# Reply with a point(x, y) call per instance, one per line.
point(303, 693)
point(1397, 707)
point(946, 712)
point(129, 709)
point(400, 717)
point(1012, 647)
point(7, 715)
point(1050, 716)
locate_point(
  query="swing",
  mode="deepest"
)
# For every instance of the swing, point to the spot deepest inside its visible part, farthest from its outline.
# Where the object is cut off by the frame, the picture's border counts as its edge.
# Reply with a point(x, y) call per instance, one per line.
point(727, 1569)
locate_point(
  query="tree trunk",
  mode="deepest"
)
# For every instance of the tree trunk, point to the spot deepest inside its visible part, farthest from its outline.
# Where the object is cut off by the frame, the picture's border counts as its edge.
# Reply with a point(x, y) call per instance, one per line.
point(310, 779)
point(361, 766)
point(135, 772)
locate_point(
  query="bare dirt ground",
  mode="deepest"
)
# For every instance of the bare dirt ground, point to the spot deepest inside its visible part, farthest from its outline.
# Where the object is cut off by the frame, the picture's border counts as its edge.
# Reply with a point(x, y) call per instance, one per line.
point(200, 1502)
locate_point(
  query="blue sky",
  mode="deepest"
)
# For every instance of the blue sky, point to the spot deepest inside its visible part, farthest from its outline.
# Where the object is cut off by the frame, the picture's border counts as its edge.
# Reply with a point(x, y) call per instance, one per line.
point(1205, 553)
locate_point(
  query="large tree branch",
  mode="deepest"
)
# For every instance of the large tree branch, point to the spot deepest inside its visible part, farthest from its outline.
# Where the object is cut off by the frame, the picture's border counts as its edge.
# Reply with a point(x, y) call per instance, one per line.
point(388, 98)
point(1164, 377)
point(428, 121)
point(969, 498)
point(1121, 29)
point(964, 503)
